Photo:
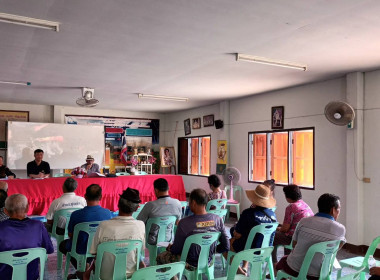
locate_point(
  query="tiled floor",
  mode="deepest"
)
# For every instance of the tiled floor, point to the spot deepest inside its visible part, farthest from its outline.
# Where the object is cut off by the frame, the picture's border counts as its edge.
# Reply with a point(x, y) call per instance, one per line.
point(51, 272)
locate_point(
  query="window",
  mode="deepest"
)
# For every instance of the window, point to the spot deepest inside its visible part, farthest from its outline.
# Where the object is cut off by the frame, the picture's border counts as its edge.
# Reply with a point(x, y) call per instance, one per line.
point(286, 156)
point(194, 155)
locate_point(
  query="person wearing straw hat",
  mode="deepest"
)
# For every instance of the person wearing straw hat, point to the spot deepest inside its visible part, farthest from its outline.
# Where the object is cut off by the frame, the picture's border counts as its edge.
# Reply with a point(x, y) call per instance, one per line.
point(258, 213)
point(90, 166)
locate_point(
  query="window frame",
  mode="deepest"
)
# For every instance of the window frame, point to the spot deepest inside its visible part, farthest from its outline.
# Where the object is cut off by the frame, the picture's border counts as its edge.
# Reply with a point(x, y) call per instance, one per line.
point(290, 156)
point(189, 156)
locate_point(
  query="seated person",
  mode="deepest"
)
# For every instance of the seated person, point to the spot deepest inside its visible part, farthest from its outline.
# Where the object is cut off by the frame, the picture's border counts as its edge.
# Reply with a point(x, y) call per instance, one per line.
point(318, 228)
point(38, 168)
point(164, 205)
point(90, 213)
point(90, 166)
point(5, 171)
point(214, 184)
point(294, 212)
point(3, 197)
point(121, 227)
point(270, 184)
point(20, 232)
point(67, 200)
point(257, 214)
point(200, 222)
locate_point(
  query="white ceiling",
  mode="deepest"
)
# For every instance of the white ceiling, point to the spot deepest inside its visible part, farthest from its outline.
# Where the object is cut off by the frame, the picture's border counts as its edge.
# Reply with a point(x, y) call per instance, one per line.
point(180, 48)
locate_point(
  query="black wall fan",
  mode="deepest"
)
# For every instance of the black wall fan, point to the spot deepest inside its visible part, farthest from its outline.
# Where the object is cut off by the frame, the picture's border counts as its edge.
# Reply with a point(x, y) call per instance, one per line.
point(339, 113)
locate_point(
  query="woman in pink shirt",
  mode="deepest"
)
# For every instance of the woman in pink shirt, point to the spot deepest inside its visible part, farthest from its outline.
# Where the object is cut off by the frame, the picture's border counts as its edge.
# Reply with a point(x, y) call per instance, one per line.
point(294, 212)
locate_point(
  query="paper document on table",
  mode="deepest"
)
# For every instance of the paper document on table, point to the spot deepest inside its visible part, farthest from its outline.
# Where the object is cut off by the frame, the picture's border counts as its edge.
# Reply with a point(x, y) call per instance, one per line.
point(95, 174)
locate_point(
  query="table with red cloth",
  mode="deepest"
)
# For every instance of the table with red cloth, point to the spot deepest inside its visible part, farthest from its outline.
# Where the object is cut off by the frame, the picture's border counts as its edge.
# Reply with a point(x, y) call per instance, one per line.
point(41, 193)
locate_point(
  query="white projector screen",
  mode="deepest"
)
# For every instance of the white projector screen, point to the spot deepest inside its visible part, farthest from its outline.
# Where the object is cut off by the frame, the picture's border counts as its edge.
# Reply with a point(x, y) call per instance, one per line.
point(64, 145)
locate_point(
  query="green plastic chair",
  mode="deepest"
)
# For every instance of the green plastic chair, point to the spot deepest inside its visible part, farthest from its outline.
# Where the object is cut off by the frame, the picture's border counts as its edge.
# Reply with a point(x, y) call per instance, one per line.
point(328, 249)
point(217, 203)
point(236, 205)
point(160, 272)
point(204, 240)
point(266, 230)
point(163, 223)
point(120, 249)
point(122, 174)
point(353, 276)
point(358, 263)
point(65, 213)
point(19, 260)
point(61, 175)
point(136, 213)
point(221, 213)
point(257, 258)
point(90, 229)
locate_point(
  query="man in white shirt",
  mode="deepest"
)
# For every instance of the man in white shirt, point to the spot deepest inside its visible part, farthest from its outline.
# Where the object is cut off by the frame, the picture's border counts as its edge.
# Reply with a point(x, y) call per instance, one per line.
point(68, 200)
point(121, 227)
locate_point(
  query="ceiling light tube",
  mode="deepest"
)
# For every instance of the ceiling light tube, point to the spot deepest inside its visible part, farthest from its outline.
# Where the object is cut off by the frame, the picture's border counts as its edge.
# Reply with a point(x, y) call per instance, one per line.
point(268, 61)
point(32, 22)
point(16, 83)
point(163, 97)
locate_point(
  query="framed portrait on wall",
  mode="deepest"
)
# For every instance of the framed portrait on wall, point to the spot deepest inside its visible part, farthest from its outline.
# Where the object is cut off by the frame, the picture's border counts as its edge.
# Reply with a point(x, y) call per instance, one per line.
point(208, 120)
point(277, 117)
point(197, 123)
point(187, 126)
point(167, 156)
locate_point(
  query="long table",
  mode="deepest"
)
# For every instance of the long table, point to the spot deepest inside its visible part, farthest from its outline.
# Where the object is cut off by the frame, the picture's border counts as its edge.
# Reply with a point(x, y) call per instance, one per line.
point(41, 193)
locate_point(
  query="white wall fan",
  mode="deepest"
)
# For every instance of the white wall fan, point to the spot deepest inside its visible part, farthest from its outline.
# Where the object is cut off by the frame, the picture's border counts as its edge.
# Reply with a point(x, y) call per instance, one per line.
point(231, 176)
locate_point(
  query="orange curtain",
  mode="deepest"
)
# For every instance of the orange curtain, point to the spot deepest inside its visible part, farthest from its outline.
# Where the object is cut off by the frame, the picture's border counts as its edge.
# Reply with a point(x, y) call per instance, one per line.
point(303, 158)
point(279, 161)
point(205, 158)
point(194, 156)
point(259, 172)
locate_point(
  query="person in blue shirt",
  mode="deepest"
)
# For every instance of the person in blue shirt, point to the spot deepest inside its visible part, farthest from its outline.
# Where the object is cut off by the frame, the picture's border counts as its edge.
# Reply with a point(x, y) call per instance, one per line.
point(20, 232)
point(91, 213)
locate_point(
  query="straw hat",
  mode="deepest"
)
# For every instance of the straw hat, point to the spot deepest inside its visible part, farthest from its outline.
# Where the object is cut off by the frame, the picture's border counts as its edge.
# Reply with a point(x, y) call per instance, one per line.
point(261, 197)
point(90, 157)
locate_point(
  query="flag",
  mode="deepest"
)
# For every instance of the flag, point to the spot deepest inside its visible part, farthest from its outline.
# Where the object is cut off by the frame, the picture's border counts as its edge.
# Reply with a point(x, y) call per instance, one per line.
point(123, 153)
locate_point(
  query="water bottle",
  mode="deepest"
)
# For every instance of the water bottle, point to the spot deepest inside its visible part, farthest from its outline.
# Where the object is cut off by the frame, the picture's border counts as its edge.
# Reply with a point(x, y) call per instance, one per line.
point(371, 261)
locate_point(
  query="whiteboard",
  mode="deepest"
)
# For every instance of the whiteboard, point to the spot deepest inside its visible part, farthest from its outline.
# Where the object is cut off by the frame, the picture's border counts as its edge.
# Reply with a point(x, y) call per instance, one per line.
point(64, 145)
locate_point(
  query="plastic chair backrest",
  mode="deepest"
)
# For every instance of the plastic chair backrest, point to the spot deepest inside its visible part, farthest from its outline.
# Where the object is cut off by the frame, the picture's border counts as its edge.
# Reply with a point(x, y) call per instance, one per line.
point(122, 174)
point(61, 175)
point(221, 213)
point(371, 250)
point(204, 240)
point(120, 249)
point(19, 260)
point(90, 229)
point(236, 188)
point(329, 250)
point(163, 222)
point(217, 203)
point(256, 257)
point(136, 213)
point(266, 230)
point(66, 214)
point(160, 272)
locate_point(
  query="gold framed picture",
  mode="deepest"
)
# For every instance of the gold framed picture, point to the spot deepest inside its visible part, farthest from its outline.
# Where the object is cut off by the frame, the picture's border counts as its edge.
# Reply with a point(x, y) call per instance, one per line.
point(167, 156)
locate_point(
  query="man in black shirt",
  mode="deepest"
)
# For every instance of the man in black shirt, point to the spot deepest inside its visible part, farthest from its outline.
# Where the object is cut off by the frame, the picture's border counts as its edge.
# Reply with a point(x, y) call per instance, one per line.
point(4, 171)
point(38, 168)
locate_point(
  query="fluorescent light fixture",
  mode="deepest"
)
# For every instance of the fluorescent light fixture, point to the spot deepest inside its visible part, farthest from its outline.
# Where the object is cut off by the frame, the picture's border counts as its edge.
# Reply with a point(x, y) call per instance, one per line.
point(32, 22)
point(163, 97)
point(268, 61)
point(16, 83)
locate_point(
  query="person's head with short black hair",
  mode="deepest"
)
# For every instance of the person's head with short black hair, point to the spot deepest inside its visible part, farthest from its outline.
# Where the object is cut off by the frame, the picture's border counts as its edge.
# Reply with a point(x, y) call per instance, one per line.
point(93, 193)
point(271, 184)
point(329, 204)
point(199, 196)
point(38, 151)
point(3, 197)
point(213, 181)
point(292, 192)
point(70, 185)
point(129, 202)
point(161, 185)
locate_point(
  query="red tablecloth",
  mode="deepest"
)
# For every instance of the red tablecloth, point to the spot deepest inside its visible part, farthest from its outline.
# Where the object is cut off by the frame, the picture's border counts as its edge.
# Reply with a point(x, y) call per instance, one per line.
point(41, 193)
